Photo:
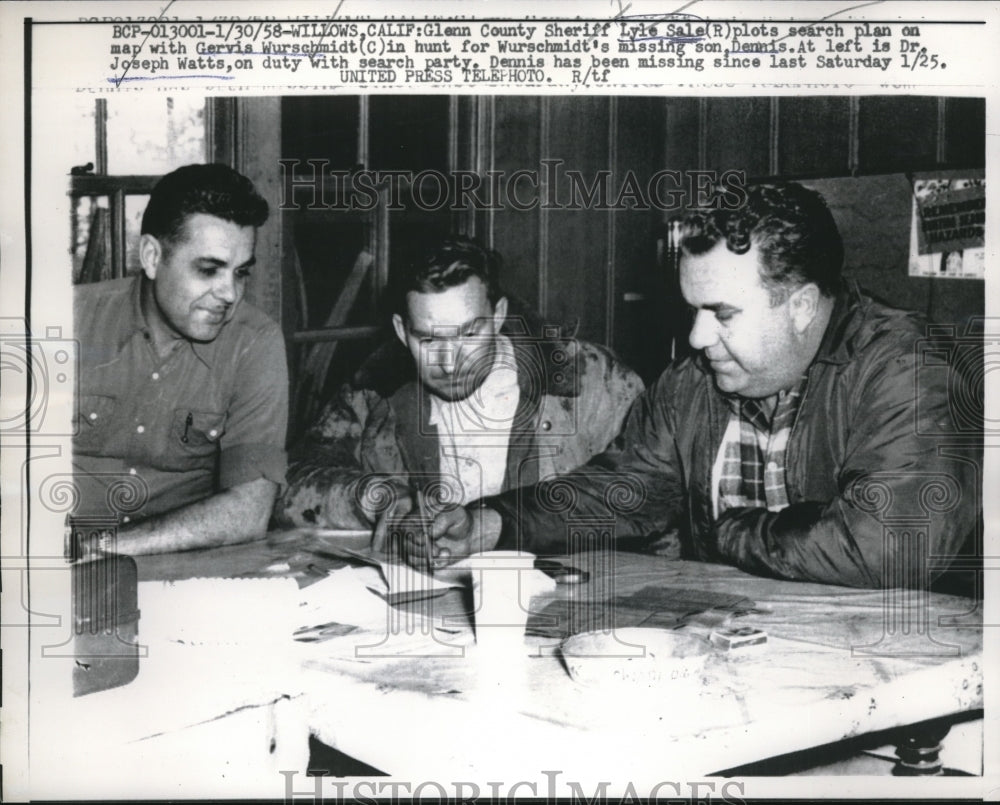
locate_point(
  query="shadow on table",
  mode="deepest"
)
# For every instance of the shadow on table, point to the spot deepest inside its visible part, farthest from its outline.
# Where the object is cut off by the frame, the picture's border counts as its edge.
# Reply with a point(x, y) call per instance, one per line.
point(325, 761)
point(871, 754)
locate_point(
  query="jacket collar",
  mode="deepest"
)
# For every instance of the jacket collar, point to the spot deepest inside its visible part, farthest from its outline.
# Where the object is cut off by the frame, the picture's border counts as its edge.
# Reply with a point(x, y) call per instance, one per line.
point(546, 362)
point(837, 344)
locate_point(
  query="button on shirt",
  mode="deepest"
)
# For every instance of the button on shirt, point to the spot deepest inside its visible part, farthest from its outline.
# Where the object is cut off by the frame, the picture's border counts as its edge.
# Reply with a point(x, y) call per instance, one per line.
point(474, 433)
point(204, 418)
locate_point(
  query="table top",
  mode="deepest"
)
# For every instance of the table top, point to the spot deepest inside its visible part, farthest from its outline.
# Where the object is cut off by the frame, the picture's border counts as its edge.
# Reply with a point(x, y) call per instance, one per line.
point(838, 662)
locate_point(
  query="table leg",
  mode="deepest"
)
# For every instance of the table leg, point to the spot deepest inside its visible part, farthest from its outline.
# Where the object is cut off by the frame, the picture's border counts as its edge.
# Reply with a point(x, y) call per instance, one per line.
point(919, 749)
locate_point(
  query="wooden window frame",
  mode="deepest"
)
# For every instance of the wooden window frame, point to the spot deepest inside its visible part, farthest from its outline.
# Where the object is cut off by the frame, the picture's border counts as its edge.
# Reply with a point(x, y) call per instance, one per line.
point(219, 126)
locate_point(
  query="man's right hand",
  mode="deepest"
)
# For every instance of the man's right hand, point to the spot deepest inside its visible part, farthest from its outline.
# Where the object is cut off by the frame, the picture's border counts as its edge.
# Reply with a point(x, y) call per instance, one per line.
point(455, 533)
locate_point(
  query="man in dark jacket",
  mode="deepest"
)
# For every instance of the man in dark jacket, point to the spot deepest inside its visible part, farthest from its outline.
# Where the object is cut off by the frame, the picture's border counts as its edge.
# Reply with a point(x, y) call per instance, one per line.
point(801, 441)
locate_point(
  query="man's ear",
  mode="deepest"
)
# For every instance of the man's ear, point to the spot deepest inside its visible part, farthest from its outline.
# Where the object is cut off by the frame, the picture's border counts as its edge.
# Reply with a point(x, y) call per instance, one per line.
point(400, 328)
point(150, 254)
point(803, 306)
point(499, 313)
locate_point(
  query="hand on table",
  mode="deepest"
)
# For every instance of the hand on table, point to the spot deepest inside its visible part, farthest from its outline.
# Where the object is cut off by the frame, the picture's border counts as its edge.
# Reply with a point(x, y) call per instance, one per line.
point(455, 533)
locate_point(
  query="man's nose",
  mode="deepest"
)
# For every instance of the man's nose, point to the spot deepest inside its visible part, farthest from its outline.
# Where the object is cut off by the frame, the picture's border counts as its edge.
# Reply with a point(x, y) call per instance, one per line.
point(703, 333)
point(442, 356)
point(224, 288)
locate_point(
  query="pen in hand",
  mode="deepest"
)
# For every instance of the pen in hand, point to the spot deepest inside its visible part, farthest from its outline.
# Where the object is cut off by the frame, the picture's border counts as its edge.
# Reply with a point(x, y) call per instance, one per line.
point(428, 543)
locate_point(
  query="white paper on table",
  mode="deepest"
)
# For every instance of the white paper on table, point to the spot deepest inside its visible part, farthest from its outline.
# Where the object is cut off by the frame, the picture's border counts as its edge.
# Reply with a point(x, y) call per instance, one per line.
point(345, 596)
point(399, 582)
point(354, 596)
point(217, 611)
point(403, 583)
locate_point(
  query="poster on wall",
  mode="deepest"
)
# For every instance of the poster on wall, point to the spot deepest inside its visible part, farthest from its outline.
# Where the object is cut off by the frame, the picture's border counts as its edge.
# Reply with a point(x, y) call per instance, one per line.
point(949, 215)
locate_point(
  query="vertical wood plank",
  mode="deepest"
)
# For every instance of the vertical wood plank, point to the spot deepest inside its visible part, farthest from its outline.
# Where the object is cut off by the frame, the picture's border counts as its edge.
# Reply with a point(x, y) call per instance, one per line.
point(614, 164)
point(965, 132)
point(813, 137)
point(257, 154)
point(545, 129)
point(516, 145)
point(738, 135)
point(897, 133)
point(639, 330)
point(118, 256)
point(577, 244)
point(481, 160)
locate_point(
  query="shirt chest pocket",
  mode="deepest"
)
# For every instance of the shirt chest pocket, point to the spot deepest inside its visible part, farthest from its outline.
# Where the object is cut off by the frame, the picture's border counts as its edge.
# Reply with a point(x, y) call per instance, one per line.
point(195, 435)
point(93, 423)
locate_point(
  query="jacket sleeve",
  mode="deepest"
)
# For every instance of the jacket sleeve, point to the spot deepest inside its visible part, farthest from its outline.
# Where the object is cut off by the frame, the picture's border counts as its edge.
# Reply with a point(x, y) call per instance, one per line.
point(901, 499)
point(353, 439)
point(632, 489)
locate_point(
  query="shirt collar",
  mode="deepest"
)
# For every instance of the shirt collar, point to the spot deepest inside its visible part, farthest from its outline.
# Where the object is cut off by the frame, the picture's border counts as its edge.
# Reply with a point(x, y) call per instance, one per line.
point(761, 413)
point(131, 322)
point(205, 351)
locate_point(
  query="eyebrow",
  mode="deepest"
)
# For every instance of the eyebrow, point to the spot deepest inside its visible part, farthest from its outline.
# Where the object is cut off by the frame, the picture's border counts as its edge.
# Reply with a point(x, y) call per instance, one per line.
point(445, 330)
point(715, 307)
point(219, 263)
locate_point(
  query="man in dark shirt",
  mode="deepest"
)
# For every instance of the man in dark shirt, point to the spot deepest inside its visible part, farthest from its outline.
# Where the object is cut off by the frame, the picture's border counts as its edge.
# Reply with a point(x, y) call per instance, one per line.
point(792, 444)
point(183, 385)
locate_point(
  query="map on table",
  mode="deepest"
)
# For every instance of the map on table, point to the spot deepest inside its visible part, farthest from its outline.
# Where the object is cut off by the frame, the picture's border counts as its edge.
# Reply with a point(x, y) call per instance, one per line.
point(652, 606)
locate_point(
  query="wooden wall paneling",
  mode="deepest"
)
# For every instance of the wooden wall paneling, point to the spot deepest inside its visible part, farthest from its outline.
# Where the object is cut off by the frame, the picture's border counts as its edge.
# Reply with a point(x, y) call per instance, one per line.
point(576, 281)
point(637, 328)
point(544, 232)
point(480, 160)
point(682, 133)
point(738, 135)
point(321, 127)
point(463, 154)
point(965, 132)
point(683, 144)
point(813, 136)
point(514, 143)
point(685, 150)
point(220, 114)
point(897, 134)
point(257, 153)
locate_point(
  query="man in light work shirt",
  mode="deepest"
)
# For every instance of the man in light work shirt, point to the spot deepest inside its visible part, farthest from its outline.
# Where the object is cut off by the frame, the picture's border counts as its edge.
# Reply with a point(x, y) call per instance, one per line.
point(183, 386)
point(470, 400)
point(788, 445)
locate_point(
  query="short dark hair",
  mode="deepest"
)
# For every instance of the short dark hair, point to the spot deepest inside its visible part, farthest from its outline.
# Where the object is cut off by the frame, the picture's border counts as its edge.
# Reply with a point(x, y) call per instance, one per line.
point(792, 227)
point(209, 189)
point(446, 264)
